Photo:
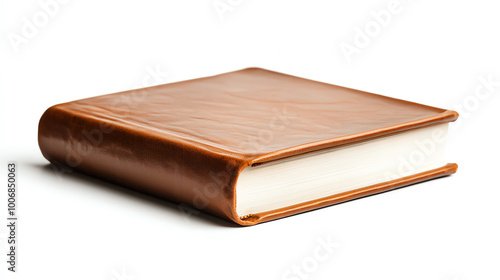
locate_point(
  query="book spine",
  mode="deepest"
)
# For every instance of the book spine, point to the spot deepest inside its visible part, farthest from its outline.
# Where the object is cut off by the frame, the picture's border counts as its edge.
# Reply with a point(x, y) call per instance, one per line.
point(141, 160)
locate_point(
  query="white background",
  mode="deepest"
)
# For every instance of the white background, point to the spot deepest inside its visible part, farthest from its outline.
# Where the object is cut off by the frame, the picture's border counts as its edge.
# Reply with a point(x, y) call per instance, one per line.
point(76, 227)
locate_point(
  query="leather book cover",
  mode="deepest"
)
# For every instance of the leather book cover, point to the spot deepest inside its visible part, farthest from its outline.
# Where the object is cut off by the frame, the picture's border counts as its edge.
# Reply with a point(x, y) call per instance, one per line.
point(187, 142)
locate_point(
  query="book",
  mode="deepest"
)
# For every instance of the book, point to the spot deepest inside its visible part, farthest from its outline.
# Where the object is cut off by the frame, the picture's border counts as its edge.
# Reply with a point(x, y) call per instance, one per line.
point(251, 145)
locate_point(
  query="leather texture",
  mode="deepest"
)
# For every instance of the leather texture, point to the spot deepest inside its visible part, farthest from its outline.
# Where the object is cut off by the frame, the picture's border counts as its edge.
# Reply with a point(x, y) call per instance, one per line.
point(188, 141)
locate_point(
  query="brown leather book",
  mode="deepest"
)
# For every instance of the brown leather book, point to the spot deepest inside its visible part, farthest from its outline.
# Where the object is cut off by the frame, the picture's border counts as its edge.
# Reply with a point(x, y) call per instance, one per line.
point(251, 145)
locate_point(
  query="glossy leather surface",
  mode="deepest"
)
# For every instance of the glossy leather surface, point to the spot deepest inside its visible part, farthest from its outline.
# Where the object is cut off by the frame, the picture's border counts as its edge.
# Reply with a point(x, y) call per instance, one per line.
point(188, 141)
